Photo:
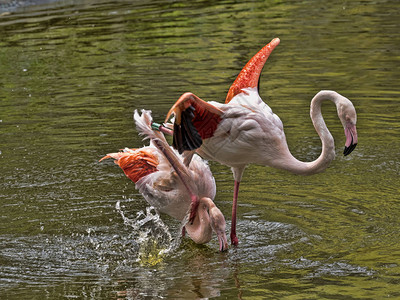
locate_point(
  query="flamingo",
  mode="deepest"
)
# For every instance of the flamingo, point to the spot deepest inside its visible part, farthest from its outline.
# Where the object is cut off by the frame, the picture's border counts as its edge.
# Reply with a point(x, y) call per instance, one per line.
point(168, 185)
point(244, 129)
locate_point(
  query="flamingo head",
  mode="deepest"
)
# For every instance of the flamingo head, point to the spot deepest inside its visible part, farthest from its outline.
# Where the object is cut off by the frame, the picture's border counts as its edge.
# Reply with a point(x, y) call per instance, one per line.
point(208, 218)
point(218, 224)
point(348, 117)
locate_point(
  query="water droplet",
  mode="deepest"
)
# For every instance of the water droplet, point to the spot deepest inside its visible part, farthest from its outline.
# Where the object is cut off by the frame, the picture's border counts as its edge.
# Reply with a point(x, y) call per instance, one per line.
point(153, 236)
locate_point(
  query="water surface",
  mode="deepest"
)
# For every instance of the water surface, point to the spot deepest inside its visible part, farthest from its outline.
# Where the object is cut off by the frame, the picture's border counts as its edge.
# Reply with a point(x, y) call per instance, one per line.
point(73, 72)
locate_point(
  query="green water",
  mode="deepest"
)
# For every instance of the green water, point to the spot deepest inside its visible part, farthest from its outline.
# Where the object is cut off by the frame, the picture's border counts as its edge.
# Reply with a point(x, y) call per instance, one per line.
point(73, 72)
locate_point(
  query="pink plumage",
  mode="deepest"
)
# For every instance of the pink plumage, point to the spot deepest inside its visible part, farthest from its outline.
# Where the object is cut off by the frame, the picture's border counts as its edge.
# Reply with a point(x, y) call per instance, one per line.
point(244, 130)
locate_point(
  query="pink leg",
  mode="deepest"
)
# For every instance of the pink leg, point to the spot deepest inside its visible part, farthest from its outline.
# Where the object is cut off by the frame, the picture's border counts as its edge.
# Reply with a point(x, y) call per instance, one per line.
point(177, 165)
point(234, 239)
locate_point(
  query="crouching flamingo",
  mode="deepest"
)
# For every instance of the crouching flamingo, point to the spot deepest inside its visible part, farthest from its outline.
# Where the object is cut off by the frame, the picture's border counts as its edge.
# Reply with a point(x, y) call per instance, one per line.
point(244, 130)
point(171, 187)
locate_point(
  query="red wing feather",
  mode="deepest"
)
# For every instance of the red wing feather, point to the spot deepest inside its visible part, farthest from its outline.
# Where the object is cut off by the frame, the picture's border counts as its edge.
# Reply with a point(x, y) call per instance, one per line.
point(205, 121)
point(135, 164)
point(250, 74)
point(195, 120)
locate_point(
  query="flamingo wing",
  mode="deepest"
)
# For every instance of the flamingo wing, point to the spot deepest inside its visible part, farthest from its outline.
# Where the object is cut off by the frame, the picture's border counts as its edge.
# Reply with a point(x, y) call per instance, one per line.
point(136, 163)
point(195, 120)
point(249, 77)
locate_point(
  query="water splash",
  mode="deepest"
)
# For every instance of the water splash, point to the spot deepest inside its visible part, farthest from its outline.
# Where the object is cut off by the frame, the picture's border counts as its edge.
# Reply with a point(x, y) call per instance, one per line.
point(153, 236)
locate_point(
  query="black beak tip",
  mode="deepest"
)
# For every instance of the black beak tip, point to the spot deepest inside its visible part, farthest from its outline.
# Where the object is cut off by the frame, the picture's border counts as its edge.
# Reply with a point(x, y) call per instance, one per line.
point(348, 150)
point(223, 246)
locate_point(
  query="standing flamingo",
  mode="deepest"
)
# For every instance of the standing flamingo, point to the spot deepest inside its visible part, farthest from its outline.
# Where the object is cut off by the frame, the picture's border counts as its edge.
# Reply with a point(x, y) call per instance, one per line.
point(168, 185)
point(244, 130)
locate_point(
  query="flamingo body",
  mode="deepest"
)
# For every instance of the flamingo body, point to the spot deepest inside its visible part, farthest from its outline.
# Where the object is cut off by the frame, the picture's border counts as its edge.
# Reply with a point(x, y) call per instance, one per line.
point(164, 190)
point(168, 185)
point(244, 129)
point(248, 126)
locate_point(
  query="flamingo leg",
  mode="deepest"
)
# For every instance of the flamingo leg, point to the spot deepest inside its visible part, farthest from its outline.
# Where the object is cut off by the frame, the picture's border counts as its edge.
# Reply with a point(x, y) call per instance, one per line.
point(234, 239)
point(180, 170)
point(162, 128)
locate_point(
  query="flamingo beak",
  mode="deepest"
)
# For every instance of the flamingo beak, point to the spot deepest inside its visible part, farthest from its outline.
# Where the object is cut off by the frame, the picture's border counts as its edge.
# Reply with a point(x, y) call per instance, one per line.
point(351, 138)
point(223, 242)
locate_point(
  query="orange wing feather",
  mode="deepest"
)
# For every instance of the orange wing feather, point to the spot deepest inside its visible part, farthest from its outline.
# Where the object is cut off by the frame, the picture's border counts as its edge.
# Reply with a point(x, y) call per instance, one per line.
point(136, 163)
point(250, 74)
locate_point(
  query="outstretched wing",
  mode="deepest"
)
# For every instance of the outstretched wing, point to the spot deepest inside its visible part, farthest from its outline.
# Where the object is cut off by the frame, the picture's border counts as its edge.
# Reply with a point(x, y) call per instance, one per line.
point(136, 163)
point(250, 75)
point(195, 120)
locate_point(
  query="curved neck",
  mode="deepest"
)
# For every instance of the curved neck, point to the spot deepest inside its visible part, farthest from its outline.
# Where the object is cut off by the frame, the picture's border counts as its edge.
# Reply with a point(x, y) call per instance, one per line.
point(200, 230)
point(290, 163)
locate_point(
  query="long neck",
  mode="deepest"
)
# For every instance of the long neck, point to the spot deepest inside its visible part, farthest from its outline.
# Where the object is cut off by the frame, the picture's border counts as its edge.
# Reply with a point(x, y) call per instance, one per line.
point(290, 163)
point(200, 230)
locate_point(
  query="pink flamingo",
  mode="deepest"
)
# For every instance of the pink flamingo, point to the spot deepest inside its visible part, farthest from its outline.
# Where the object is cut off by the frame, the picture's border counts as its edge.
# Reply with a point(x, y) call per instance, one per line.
point(244, 130)
point(168, 185)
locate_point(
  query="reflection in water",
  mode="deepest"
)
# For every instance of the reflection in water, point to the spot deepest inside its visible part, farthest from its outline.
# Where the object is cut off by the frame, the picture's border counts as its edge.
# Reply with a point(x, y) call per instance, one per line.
point(73, 73)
